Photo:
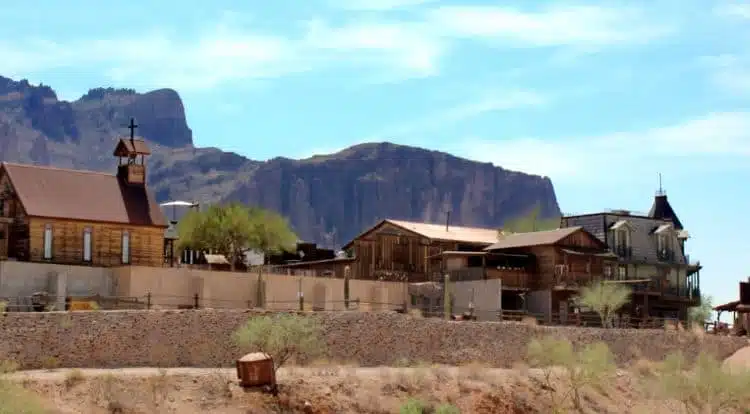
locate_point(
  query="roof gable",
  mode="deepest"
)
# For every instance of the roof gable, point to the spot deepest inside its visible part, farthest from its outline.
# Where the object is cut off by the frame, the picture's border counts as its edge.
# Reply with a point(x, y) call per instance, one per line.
point(82, 195)
point(537, 238)
point(127, 147)
point(438, 232)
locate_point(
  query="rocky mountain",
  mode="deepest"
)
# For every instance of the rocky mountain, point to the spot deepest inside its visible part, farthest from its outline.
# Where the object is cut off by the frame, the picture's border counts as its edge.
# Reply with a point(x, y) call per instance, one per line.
point(328, 199)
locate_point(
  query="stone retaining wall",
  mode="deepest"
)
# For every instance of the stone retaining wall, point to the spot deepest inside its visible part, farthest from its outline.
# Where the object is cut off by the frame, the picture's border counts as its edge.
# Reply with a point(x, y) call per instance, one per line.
point(202, 338)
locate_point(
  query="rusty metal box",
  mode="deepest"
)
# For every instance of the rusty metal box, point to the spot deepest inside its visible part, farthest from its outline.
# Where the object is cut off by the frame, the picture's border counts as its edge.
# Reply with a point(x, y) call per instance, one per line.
point(256, 370)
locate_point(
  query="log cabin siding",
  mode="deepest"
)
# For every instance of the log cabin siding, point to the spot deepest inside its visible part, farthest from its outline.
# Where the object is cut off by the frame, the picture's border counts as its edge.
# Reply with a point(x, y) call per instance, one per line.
point(146, 243)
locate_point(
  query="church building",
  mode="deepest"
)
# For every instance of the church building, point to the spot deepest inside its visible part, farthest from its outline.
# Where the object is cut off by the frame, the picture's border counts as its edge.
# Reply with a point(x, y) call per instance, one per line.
point(82, 217)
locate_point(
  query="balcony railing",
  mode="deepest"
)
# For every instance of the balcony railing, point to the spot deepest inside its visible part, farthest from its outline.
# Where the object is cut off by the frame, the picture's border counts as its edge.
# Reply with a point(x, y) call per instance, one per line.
point(511, 277)
point(655, 287)
point(665, 255)
point(625, 252)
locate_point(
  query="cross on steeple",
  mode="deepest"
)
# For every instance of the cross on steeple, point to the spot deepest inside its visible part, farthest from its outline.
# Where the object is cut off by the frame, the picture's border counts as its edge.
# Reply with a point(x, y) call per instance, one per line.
point(132, 128)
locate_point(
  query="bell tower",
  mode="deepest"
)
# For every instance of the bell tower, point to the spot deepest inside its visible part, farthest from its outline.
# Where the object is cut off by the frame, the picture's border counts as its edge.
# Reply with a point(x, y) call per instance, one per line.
point(131, 154)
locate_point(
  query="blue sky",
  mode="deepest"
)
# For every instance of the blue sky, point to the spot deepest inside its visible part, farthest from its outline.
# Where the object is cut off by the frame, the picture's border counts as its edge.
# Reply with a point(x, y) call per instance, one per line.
point(600, 96)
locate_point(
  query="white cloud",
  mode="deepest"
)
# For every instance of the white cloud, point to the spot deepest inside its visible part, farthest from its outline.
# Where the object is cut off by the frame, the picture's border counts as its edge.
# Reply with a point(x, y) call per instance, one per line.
point(713, 141)
point(554, 26)
point(733, 10)
point(404, 47)
point(393, 49)
point(483, 104)
point(729, 72)
point(156, 60)
point(378, 5)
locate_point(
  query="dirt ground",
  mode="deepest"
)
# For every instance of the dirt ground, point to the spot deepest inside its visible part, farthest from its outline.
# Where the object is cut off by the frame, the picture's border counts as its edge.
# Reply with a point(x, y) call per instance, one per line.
point(318, 390)
point(332, 389)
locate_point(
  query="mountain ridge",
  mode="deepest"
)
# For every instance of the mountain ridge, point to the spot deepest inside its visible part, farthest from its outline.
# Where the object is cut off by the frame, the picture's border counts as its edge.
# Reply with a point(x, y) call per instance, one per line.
point(328, 198)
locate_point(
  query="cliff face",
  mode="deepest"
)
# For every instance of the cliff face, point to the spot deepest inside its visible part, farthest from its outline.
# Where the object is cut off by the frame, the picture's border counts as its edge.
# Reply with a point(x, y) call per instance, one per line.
point(328, 199)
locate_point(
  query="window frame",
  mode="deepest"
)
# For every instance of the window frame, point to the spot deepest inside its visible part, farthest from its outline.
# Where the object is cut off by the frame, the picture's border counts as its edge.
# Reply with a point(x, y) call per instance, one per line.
point(88, 241)
point(48, 242)
point(125, 253)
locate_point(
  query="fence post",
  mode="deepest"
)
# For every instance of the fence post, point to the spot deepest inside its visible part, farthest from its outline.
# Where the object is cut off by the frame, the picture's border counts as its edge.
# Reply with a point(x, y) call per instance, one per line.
point(301, 295)
point(148, 300)
point(447, 297)
point(346, 288)
point(195, 301)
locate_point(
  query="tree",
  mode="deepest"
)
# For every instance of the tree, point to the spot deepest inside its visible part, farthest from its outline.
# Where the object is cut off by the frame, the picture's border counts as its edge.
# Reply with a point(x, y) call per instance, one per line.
point(698, 315)
point(530, 221)
point(282, 336)
point(232, 230)
point(590, 365)
point(604, 299)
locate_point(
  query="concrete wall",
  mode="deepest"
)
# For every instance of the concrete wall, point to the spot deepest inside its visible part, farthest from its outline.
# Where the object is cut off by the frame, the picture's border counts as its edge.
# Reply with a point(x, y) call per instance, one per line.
point(174, 287)
point(203, 338)
point(484, 294)
point(20, 280)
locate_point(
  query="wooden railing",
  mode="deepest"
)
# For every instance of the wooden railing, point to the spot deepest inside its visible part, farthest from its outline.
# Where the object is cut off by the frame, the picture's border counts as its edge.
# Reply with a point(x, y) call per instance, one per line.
point(512, 278)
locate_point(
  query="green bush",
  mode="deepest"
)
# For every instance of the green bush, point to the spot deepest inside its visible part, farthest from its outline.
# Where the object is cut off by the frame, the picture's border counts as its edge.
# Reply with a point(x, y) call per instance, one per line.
point(588, 366)
point(413, 406)
point(703, 386)
point(282, 336)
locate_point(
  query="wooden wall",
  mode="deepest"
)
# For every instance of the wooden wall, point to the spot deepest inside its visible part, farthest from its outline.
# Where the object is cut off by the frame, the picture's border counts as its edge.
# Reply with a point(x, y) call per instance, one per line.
point(146, 243)
point(391, 253)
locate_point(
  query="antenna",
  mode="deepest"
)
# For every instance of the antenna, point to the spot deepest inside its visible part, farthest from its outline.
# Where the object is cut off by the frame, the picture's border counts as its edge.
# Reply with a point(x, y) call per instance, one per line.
point(660, 191)
point(447, 219)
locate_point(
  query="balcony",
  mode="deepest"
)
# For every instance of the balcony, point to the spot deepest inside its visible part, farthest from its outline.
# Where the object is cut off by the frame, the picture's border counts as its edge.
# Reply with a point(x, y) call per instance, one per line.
point(623, 251)
point(657, 288)
point(512, 278)
point(665, 255)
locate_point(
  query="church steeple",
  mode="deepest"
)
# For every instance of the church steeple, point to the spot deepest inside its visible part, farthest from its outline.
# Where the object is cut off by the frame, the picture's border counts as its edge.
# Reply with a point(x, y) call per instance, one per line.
point(131, 169)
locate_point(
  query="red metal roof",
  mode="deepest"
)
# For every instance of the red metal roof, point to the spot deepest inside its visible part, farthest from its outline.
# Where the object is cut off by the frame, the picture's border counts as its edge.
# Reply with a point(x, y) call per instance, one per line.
point(82, 195)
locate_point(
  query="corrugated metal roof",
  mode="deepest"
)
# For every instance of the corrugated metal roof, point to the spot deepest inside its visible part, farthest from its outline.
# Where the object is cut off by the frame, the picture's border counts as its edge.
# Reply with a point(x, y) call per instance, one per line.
point(82, 195)
point(452, 233)
point(535, 238)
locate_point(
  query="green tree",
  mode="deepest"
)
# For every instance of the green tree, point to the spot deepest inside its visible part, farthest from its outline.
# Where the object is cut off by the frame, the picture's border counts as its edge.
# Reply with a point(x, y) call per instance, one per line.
point(698, 315)
point(604, 299)
point(282, 336)
point(530, 221)
point(233, 229)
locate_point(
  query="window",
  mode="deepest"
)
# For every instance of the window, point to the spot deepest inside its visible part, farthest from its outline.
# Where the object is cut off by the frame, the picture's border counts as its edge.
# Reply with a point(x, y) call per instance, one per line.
point(622, 238)
point(48, 242)
point(2, 208)
point(125, 247)
point(87, 244)
point(607, 272)
point(622, 272)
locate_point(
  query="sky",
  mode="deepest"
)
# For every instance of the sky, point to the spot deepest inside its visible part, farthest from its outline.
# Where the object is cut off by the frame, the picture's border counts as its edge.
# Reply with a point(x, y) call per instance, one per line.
point(599, 96)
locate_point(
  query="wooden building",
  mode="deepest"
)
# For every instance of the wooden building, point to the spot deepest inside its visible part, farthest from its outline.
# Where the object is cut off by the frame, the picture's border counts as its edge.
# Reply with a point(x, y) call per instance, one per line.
point(400, 250)
point(651, 257)
point(82, 217)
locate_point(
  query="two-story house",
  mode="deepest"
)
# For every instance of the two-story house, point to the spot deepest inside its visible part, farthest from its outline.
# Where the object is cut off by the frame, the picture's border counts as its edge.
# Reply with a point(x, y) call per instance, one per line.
point(651, 257)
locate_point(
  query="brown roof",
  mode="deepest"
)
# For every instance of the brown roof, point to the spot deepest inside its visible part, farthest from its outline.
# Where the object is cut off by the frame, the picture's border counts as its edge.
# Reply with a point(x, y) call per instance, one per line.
point(126, 147)
point(452, 233)
point(534, 238)
point(82, 195)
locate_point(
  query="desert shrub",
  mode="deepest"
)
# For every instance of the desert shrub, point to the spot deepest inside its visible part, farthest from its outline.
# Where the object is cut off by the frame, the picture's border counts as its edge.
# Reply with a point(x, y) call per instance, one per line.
point(413, 406)
point(8, 366)
point(578, 369)
point(282, 336)
point(73, 378)
point(604, 299)
point(703, 386)
point(14, 399)
point(50, 363)
point(447, 409)
point(3, 306)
